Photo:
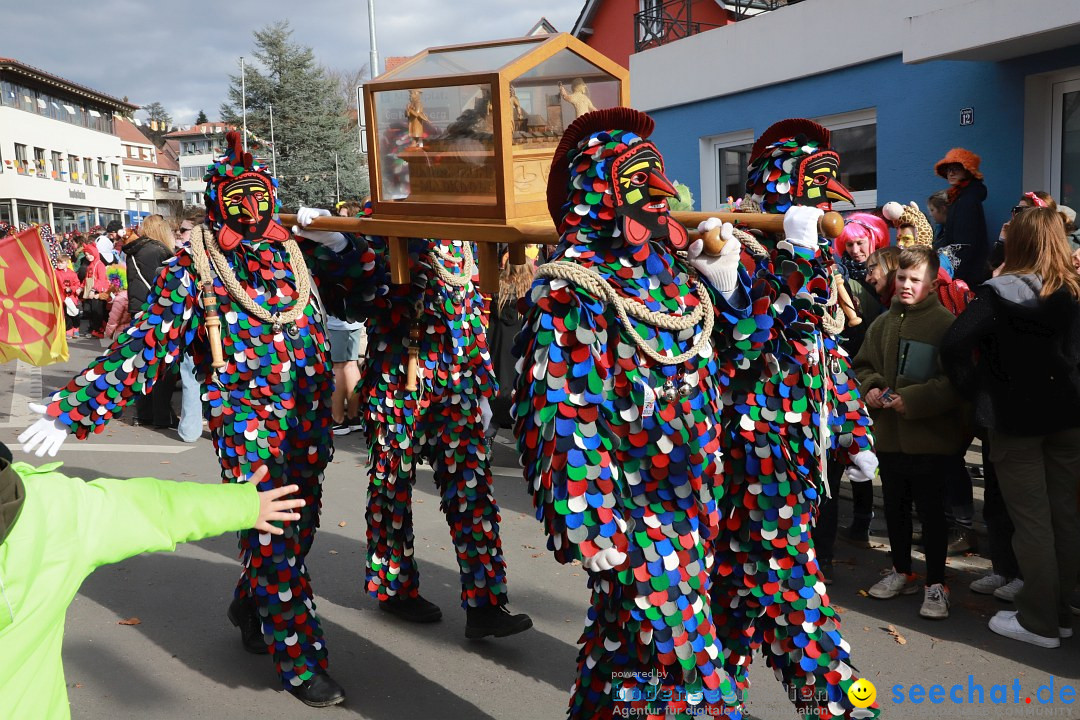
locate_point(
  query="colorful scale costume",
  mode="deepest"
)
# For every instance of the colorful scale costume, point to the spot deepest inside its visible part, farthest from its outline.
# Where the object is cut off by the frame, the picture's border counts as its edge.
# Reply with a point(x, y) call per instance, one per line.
point(620, 450)
point(440, 422)
point(793, 402)
point(266, 405)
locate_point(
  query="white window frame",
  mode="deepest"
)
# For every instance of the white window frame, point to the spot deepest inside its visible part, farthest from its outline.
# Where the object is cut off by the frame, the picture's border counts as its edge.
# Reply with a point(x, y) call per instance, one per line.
point(709, 164)
point(1058, 90)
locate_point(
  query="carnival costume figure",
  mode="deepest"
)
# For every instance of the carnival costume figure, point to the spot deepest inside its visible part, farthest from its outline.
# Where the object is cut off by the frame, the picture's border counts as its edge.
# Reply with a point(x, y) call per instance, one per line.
point(793, 405)
point(266, 382)
point(436, 324)
point(624, 355)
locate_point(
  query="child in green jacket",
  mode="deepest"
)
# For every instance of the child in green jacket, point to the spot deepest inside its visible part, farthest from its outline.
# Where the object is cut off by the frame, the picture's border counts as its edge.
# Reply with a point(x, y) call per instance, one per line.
point(918, 424)
point(55, 530)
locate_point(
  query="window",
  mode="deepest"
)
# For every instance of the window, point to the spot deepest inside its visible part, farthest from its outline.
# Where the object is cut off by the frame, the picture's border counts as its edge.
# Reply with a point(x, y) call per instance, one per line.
point(88, 171)
point(103, 177)
point(73, 168)
point(723, 160)
point(1065, 143)
point(39, 163)
point(21, 166)
point(115, 176)
point(193, 172)
point(57, 168)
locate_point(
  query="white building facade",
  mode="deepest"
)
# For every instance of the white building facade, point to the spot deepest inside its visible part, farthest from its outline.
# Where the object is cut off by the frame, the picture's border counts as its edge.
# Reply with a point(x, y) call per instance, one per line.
point(151, 177)
point(200, 145)
point(60, 159)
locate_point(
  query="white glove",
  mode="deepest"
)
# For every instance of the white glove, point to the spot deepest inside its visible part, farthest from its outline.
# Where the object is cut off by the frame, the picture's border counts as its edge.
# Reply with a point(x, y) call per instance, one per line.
point(801, 225)
point(333, 240)
point(864, 467)
point(722, 271)
point(47, 434)
point(485, 413)
point(606, 559)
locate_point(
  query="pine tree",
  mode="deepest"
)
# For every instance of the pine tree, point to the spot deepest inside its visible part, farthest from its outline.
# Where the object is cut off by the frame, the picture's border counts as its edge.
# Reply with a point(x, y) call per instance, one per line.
point(311, 124)
point(201, 118)
point(158, 122)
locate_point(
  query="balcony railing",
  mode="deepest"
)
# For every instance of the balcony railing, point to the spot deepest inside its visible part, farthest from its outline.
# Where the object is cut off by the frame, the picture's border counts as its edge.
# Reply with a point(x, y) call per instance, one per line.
point(667, 22)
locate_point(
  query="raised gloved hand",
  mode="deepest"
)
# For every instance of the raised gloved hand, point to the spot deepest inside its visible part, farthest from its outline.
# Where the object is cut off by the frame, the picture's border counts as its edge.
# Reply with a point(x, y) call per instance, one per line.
point(722, 271)
point(801, 225)
point(485, 414)
point(864, 466)
point(47, 434)
point(333, 240)
point(605, 559)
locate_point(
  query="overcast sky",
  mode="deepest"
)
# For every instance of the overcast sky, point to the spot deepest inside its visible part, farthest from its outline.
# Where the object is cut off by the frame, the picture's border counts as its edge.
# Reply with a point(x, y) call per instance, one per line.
point(181, 52)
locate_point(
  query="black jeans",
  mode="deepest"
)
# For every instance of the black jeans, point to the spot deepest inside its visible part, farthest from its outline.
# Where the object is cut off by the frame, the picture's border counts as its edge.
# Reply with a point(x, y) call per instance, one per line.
point(96, 315)
point(999, 526)
point(959, 492)
point(862, 501)
point(920, 479)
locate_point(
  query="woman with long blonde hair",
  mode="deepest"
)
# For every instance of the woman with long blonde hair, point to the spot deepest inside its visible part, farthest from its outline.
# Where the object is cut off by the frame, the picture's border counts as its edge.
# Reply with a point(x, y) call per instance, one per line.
point(1015, 352)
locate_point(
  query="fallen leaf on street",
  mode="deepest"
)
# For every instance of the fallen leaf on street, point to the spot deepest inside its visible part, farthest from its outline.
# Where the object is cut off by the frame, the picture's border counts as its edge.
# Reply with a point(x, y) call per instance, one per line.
point(130, 621)
point(341, 524)
point(78, 685)
point(164, 462)
point(900, 639)
point(333, 552)
point(864, 593)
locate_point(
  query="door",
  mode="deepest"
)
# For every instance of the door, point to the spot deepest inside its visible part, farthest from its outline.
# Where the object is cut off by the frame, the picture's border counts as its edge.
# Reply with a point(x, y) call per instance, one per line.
point(1065, 143)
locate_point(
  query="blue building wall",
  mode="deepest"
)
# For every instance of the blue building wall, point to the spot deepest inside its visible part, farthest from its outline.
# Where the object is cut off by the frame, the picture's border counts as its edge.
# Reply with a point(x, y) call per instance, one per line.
point(918, 120)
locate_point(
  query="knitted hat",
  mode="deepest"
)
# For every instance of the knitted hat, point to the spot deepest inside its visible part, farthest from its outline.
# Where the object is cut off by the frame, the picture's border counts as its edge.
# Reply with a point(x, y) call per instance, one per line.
point(114, 226)
point(960, 156)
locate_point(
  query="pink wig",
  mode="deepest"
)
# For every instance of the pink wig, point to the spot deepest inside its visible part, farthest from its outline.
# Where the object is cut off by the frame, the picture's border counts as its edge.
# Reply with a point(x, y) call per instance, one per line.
point(862, 225)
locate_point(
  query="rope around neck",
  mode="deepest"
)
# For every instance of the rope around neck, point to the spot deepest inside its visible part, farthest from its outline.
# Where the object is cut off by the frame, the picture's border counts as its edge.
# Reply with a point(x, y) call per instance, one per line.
point(468, 267)
point(210, 262)
point(592, 281)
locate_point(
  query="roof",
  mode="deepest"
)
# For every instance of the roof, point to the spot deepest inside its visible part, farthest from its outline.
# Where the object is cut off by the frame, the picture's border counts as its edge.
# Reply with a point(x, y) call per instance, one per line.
point(29, 71)
point(583, 24)
point(128, 132)
point(209, 128)
point(131, 134)
point(542, 27)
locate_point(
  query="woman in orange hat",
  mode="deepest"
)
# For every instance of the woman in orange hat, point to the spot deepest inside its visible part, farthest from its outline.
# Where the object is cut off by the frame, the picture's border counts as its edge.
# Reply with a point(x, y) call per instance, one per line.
point(965, 226)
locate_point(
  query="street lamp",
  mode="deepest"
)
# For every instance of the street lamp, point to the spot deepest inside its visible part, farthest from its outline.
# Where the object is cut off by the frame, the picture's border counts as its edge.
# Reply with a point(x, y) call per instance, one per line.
point(138, 204)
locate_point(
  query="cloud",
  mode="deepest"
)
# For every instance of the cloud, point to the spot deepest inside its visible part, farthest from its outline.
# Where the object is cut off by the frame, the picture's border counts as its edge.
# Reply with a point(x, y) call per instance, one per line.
point(182, 54)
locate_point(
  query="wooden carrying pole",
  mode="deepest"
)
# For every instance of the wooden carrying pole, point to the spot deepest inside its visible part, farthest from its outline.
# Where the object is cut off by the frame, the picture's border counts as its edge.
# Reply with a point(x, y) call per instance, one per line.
point(517, 235)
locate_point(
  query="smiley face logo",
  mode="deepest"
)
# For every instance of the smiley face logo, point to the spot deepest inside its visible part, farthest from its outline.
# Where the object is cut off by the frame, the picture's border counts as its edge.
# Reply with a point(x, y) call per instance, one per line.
point(862, 693)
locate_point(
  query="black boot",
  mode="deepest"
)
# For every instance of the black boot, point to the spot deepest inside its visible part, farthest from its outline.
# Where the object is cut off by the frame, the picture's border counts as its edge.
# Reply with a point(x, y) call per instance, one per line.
point(494, 620)
point(414, 609)
point(243, 614)
point(319, 690)
point(858, 533)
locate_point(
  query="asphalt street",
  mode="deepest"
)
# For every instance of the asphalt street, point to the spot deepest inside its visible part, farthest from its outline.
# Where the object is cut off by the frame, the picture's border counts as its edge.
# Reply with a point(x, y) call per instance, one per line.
point(183, 659)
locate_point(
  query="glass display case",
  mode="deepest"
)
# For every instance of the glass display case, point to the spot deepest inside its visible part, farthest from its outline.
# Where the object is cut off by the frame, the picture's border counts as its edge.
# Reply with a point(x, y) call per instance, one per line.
point(468, 131)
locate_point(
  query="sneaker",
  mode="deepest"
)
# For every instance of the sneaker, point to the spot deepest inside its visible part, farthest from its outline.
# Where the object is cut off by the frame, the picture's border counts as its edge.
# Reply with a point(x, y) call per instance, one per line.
point(355, 423)
point(858, 533)
point(935, 604)
point(1006, 624)
point(341, 428)
point(963, 541)
point(894, 584)
point(987, 584)
point(1063, 632)
point(1008, 591)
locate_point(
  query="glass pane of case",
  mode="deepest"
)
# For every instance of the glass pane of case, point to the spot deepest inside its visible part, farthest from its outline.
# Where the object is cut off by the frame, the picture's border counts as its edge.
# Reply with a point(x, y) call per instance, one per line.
point(436, 145)
point(471, 60)
point(553, 94)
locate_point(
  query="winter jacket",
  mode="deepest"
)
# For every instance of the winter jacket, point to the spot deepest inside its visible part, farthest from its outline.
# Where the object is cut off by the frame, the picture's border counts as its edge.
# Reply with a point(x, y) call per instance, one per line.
point(965, 233)
point(66, 528)
point(900, 352)
point(119, 318)
point(95, 277)
point(1016, 356)
point(145, 256)
point(70, 284)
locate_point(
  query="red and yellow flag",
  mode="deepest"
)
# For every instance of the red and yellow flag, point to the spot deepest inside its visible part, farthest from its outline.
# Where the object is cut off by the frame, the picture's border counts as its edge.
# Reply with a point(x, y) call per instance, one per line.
point(32, 324)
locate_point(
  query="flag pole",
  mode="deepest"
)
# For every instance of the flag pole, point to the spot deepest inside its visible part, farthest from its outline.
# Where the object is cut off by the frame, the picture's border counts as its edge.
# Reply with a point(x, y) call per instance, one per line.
point(243, 99)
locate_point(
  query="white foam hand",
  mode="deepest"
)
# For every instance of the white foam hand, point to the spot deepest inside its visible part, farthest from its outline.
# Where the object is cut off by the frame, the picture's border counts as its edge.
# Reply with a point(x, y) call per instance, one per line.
point(864, 467)
point(605, 559)
point(304, 217)
point(801, 225)
point(722, 271)
point(46, 435)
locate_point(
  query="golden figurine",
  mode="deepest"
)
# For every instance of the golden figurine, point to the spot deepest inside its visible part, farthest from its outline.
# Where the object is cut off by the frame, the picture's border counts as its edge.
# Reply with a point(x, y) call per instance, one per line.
point(415, 114)
point(578, 97)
